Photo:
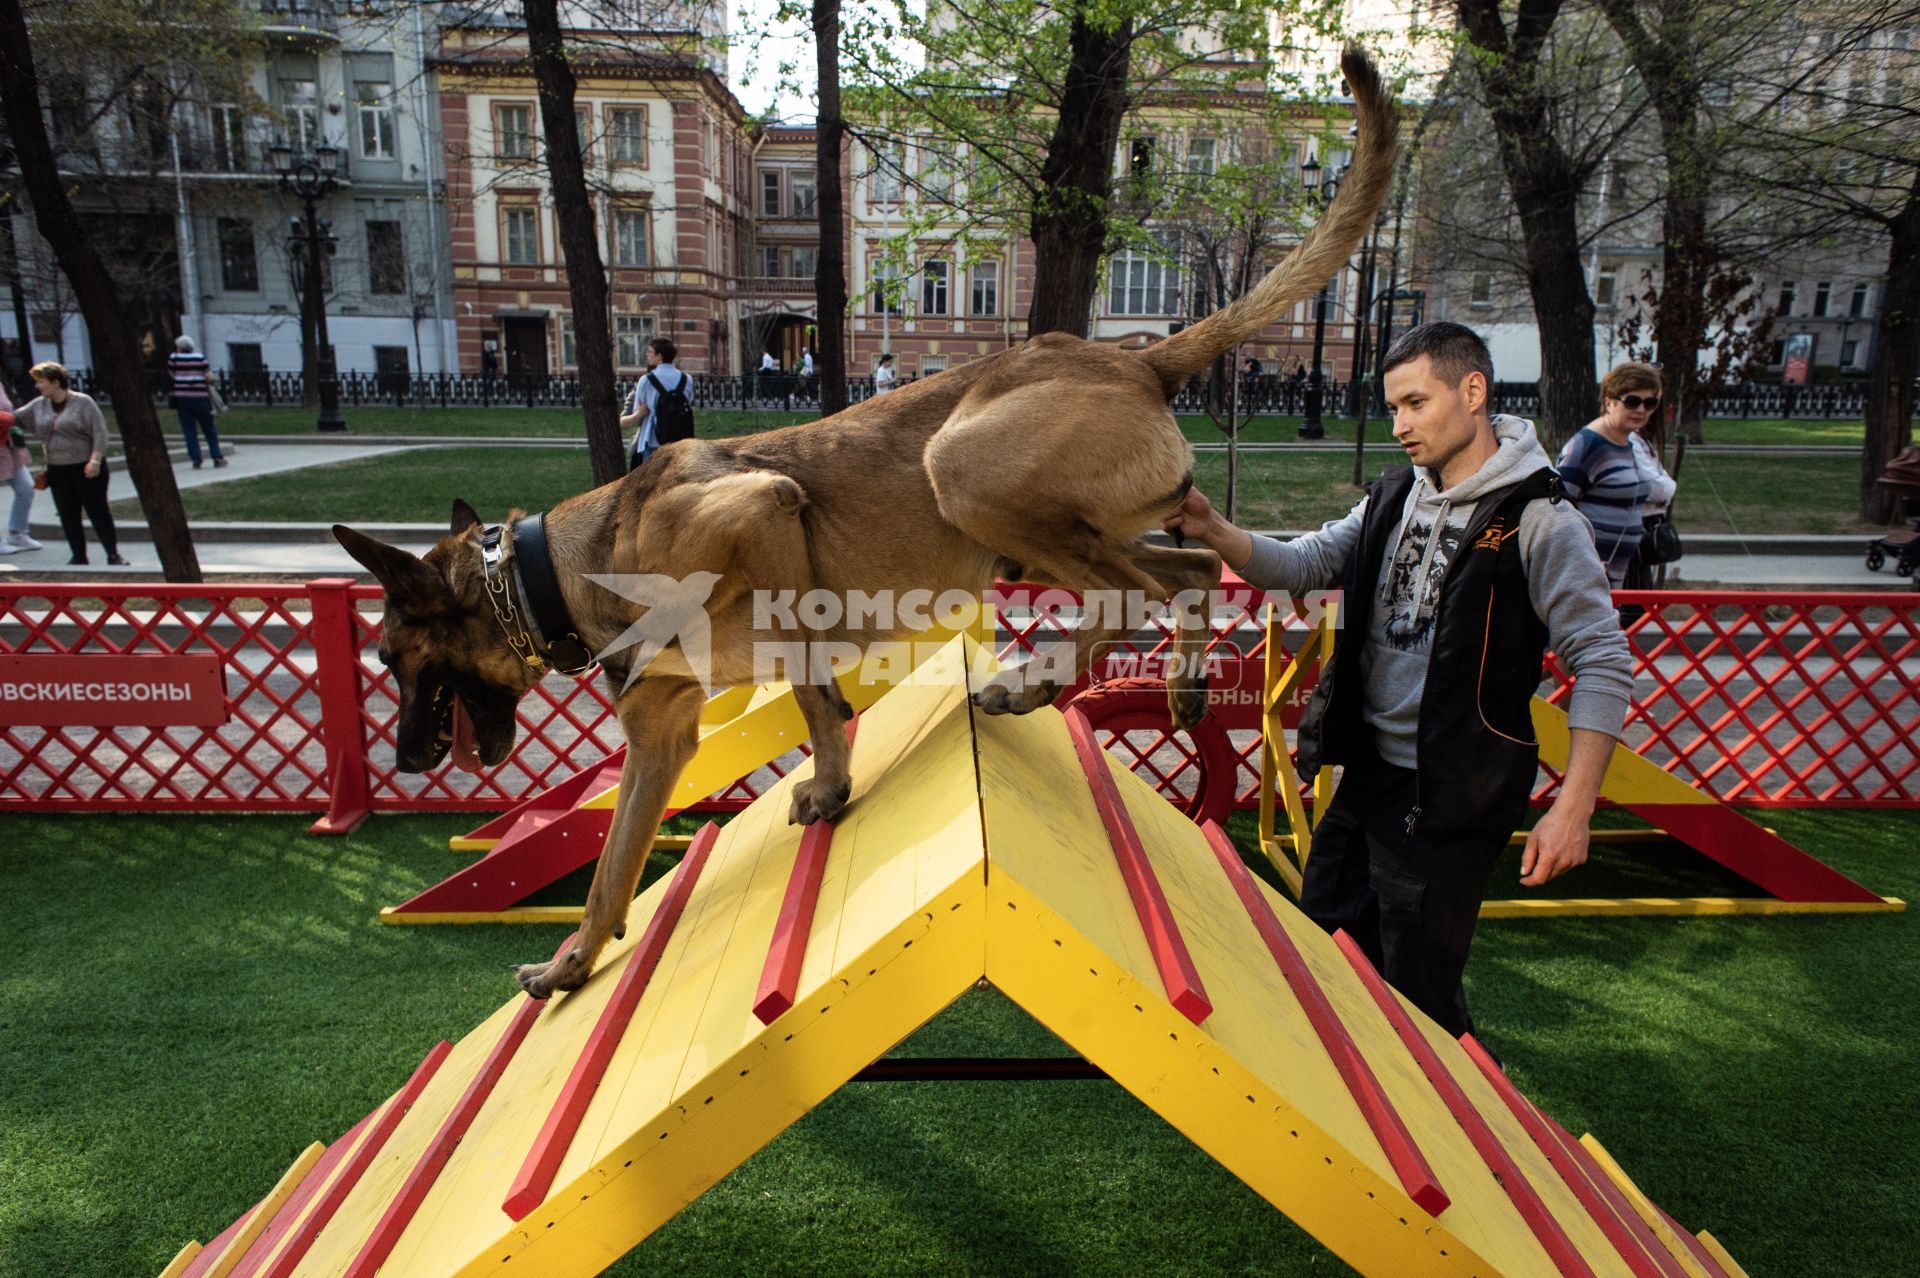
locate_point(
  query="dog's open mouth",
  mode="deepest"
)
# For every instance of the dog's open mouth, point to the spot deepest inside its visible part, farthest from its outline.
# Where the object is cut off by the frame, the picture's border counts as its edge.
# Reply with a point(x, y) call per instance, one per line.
point(456, 729)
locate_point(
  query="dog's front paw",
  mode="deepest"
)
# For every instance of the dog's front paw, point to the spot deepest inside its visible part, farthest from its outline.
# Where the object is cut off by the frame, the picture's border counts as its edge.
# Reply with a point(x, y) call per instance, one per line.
point(818, 799)
point(1187, 705)
point(542, 980)
point(1010, 693)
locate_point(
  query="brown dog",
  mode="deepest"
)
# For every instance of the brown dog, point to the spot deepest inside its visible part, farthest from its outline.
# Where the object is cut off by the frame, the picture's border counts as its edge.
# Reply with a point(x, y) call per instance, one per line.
point(1048, 463)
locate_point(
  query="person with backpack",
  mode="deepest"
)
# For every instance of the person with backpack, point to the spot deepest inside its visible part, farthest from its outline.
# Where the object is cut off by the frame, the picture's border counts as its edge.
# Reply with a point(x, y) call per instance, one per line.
point(662, 405)
point(1457, 574)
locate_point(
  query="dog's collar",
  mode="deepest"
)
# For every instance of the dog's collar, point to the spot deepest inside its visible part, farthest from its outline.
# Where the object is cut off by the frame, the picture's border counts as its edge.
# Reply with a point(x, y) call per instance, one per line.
point(552, 640)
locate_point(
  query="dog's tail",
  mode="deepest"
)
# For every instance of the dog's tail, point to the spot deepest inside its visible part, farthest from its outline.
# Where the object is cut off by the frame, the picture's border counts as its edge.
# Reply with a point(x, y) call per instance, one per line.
point(1324, 250)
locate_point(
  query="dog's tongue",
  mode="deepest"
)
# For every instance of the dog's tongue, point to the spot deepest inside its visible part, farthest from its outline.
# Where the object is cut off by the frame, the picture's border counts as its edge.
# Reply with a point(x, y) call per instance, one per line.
point(466, 751)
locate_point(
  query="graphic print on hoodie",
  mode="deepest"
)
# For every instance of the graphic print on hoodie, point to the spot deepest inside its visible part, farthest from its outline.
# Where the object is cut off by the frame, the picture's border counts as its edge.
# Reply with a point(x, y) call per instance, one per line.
point(1411, 590)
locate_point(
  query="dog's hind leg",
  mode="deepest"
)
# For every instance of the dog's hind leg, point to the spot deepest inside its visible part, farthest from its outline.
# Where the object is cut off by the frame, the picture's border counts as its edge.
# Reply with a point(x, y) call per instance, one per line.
point(660, 716)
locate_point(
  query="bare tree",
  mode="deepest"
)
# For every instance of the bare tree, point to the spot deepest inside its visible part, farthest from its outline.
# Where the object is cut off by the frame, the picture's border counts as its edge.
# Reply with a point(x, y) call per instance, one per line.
point(830, 267)
point(573, 212)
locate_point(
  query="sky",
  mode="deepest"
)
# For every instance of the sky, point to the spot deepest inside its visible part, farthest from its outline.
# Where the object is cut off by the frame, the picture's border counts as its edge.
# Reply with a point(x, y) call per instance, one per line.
point(754, 71)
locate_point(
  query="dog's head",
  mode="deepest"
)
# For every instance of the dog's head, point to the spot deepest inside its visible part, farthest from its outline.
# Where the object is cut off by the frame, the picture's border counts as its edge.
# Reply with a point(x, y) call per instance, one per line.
point(459, 680)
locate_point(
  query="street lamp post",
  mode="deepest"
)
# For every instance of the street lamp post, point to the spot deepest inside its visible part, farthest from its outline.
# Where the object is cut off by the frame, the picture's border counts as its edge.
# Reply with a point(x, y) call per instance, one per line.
point(310, 179)
point(1321, 188)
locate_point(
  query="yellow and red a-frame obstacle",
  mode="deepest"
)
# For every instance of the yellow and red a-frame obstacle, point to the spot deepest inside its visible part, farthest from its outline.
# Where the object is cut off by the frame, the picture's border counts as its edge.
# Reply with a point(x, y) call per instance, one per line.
point(775, 964)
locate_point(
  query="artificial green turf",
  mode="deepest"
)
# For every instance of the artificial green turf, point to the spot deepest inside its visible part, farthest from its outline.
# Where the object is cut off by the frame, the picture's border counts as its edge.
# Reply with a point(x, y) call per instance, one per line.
point(551, 423)
point(1747, 494)
point(187, 1002)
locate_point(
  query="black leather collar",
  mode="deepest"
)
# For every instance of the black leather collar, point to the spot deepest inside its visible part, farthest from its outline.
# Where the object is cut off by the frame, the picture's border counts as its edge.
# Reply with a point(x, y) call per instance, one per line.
point(543, 598)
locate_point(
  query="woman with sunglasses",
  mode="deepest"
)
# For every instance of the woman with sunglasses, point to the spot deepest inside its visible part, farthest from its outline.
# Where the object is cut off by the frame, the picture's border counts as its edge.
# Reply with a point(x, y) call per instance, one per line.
point(1612, 476)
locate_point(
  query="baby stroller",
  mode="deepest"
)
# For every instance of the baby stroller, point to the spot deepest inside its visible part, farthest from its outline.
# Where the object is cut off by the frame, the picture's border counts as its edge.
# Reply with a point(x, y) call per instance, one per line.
point(1902, 478)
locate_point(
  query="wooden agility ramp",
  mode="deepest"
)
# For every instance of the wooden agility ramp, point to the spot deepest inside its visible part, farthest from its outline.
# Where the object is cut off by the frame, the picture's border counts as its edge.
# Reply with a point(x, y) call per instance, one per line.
point(775, 964)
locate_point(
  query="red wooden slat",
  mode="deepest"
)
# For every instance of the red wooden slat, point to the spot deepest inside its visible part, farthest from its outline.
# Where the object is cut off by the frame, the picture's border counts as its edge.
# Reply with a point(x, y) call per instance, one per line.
point(289, 1212)
point(1617, 1197)
point(1698, 1249)
point(1644, 1254)
point(400, 1211)
point(1178, 975)
point(1409, 1164)
point(536, 1174)
point(780, 977)
point(1553, 1239)
point(204, 1259)
point(363, 1157)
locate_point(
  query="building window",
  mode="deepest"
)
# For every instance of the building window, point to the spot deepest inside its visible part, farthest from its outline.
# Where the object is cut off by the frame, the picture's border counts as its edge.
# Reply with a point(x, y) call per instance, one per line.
point(520, 235)
point(1849, 349)
point(386, 258)
point(374, 104)
point(1857, 304)
point(627, 134)
point(1785, 306)
point(1139, 285)
point(583, 131)
point(802, 188)
point(1200, 157)
point(887, 298)
point(985, 277)
point(933, 287)
point(770, 259)
point(1481, 289)
point(239, 267)
point(1604, 286)
point(630, 237)
point(769, 192)
point(805, 261)
point(631, 333)
point(569, 344)
point(889, 171)
point(229, 138)
point(513, 132)
point(1822, 294)
point(1777, 354)
point(936, 169)
point(931, 364)
point(300, 99)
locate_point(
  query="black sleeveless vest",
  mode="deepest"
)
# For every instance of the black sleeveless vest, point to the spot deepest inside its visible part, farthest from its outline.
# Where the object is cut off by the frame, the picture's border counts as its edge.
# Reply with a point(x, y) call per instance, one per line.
point(1476, 750)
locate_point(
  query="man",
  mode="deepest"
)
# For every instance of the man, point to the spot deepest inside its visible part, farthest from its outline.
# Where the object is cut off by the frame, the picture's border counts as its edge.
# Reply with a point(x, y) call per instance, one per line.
point(769, 375)
point(661, 379)
point(1456, 576)
point(193, 399)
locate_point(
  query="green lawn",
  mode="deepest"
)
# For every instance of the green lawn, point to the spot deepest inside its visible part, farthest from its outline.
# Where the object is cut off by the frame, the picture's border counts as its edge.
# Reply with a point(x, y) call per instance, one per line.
point(1277, 490)
point(185, 1003)
point(556, 423)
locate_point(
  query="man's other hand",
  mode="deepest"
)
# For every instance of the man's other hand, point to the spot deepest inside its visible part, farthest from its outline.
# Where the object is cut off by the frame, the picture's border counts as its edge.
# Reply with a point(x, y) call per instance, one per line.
point(1197, 520)
point(1554, 846)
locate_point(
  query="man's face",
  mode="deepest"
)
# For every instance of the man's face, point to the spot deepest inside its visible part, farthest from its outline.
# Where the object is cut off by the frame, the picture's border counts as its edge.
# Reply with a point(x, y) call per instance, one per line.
point(653, 358)
point(1433, 421)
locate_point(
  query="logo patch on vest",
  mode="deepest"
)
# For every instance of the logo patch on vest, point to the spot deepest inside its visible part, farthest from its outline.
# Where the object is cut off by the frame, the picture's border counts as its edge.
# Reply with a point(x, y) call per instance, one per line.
point(1493, 536)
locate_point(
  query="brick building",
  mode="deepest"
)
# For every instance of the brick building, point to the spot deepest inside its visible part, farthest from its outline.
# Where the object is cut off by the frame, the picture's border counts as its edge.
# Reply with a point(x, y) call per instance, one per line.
point(667, 148)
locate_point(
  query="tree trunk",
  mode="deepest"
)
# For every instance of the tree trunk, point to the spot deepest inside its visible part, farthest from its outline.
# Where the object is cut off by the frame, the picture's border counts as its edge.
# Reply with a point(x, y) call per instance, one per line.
point(1896, 360)
point(1546, 186)
point(18, 289)
point(580, 246)
point(116, 351)
point(830, 266)
point(1069, 224)
point(1680, 327)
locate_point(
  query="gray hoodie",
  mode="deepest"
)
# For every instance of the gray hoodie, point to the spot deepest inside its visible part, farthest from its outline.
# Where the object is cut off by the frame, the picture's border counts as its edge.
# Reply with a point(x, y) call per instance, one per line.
point(1566, 584)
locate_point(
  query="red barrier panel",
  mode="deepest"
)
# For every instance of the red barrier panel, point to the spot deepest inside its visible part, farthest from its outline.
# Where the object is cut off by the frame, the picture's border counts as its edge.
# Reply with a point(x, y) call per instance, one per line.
point(1772, 700)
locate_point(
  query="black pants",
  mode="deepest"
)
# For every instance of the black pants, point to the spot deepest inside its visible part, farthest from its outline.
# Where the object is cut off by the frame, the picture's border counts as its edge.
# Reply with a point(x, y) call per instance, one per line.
point(72, 491)
point(1411, 902)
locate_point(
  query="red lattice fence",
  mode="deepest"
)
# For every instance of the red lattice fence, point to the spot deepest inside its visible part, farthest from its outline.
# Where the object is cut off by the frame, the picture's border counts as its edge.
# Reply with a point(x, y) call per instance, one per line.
point(1764, 699)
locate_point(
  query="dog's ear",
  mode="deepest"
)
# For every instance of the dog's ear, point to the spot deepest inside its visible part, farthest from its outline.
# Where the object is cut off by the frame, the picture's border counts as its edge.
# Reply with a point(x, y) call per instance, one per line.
point(413, 587)
point(463, 517)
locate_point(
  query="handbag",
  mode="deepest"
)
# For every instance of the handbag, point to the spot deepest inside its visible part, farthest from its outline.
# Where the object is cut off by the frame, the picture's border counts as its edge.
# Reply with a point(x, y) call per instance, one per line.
point(1659, 541)
point(213, 398)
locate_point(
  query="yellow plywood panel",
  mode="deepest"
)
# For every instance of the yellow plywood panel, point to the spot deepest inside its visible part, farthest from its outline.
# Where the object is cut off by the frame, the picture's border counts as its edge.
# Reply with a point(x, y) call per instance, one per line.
point(1655, 1219)
point(779, 1074)
point(1719, 1253)
point(181, 1259)
point(1629, 779)
point(480, 1172)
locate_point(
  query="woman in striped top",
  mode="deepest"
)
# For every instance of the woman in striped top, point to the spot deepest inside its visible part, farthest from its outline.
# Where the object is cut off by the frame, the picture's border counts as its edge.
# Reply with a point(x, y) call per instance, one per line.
point(1612, 476)
point(193, 399)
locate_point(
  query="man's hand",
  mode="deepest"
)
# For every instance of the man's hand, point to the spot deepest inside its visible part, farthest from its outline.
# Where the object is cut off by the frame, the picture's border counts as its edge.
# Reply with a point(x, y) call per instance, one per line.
point(1559, 842)
point(1554, 846)
point(1197, 520)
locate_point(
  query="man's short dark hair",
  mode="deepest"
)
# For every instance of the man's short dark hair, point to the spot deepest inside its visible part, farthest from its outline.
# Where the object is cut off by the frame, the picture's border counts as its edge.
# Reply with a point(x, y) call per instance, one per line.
point(1455, 350)
point(665, 349)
